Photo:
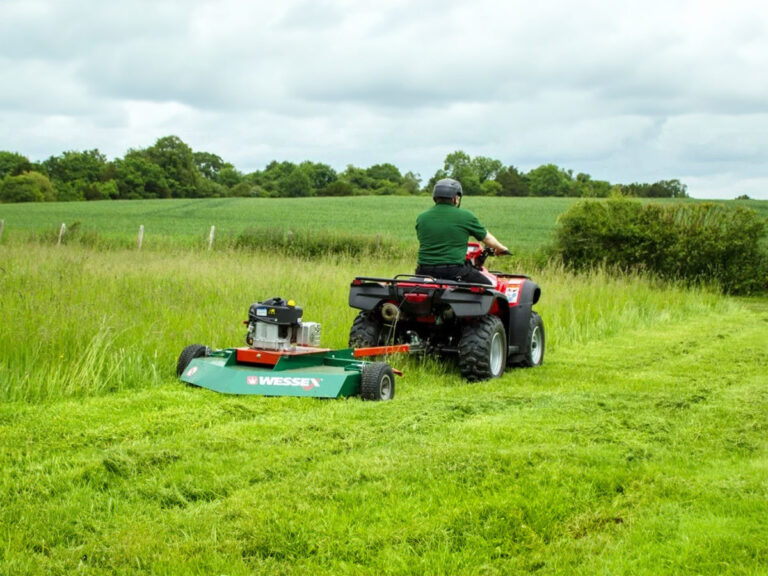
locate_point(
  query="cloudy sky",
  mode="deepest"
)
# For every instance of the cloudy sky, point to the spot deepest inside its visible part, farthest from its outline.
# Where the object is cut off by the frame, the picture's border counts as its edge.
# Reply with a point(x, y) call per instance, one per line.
point(630, 91)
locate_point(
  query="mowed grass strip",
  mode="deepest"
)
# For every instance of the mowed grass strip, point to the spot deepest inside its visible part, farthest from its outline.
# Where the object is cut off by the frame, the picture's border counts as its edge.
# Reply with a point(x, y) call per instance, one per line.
point(611, 458)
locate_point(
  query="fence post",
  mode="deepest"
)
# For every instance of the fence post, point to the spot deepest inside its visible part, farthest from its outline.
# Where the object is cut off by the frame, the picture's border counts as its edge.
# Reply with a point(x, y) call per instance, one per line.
point(210, 237)
point(2, 227)
point(61, 232)
point(141, 235)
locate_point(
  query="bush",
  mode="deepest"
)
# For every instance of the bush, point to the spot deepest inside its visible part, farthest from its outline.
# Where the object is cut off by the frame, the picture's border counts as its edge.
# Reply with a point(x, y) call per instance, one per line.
point(27, 187)
point(693, 242)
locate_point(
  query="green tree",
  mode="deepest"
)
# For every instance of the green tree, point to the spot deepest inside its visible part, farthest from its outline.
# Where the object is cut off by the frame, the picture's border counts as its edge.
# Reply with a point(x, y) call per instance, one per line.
point(338, 188)
point(270, 180)
point(358, 179)
point(177, 162)
point(513, 182)
point(471, 173)
point(88, 166)
point(320, 175)
point(486, 168)
point(585, 187)
point(296, 184)
point(385, 171)
point(549, 180)
point(138, 177)
point(411, 183)
point(27, 187)
point(229, 176)
point(208, 164)
point(78, 175)
point(13, 164)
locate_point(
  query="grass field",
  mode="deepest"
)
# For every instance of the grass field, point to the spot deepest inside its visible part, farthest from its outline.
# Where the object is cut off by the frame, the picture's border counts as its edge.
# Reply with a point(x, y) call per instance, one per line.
point(525, 223)
point(639, 447)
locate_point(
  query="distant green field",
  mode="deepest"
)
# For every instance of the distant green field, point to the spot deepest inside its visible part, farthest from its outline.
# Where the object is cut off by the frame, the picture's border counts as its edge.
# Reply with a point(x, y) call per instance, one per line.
point(524, 224)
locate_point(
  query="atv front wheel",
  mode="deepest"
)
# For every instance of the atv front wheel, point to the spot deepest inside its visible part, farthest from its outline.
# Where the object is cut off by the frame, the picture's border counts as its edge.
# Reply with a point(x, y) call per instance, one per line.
point(483, 349)
point(377, 382)
point(188, 354)
point(365, 331)
point(534, 342)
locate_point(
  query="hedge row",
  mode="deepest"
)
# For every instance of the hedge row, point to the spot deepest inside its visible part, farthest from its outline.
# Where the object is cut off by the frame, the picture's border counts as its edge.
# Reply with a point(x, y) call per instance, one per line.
point(692, 242)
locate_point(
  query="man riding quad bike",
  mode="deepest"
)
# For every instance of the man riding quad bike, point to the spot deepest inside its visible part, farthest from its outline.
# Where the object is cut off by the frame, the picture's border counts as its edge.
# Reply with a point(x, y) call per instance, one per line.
point(453, 305)
point(489, 326)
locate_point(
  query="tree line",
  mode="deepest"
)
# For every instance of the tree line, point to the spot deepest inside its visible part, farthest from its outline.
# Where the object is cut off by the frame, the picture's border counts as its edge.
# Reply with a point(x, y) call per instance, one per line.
point(171, 169)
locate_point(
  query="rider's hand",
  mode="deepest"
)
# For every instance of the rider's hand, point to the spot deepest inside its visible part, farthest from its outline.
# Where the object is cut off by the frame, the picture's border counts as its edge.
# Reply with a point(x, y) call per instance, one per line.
point(500, 249)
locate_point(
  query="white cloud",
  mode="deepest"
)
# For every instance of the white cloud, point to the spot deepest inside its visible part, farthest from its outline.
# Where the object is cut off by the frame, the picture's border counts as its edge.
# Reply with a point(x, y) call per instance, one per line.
point(635, 91)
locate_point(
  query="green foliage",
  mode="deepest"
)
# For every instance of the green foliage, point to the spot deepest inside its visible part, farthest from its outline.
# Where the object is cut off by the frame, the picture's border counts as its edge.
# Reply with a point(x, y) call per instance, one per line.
point(661, 189)
point(27, 187)
point(171, 169)
point(86, 166)
point(296, 184)
point(513, 182)
point(549, 180)
point(138, 177)
point(177, 162)
point(13, 164)
point(693, 242)
point(387, 172)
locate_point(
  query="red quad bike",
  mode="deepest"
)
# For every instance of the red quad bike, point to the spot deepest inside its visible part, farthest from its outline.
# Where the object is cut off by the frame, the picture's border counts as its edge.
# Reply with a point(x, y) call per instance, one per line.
point(488, 327)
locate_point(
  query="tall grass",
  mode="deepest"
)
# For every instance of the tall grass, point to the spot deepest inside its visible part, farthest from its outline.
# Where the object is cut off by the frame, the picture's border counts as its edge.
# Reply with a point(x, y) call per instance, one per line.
point(80, 322)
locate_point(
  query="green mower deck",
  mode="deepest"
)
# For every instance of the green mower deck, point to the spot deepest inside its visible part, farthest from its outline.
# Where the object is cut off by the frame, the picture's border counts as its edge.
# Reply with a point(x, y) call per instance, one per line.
point(303, 371)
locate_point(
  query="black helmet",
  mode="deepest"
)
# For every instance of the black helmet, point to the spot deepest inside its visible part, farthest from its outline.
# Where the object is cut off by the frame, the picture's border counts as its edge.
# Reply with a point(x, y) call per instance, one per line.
point(447, 188)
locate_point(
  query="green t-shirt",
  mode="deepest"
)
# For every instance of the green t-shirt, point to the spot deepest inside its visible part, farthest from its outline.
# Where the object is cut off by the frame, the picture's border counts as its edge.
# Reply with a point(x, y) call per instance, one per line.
point(443, 232)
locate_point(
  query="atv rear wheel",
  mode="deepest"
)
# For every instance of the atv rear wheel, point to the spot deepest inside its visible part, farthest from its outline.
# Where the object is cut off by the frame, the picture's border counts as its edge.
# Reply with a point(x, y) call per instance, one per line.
point(534, 342)
point(377, 382)
point(365, 331)
point(483, 349)
point(188, 354)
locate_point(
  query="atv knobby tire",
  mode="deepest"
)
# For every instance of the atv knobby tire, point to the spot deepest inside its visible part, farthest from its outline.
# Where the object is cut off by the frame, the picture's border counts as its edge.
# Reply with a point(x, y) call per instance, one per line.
point(534, 342)
point(188, 354)
point(365, 331)
point(377, 382)
point(483, 349)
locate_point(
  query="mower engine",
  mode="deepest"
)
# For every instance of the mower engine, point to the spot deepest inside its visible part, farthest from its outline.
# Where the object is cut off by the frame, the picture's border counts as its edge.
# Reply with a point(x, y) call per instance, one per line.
point(276, 325)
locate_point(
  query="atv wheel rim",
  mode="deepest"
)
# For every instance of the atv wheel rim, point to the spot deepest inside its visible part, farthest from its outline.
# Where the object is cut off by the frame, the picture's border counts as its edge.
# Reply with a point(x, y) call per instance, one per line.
point(497, 354)
point(536, 348)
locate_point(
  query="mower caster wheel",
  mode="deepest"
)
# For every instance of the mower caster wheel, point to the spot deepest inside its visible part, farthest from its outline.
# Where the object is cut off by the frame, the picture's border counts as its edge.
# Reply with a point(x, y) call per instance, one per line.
point(190, 353)
point(378, 382)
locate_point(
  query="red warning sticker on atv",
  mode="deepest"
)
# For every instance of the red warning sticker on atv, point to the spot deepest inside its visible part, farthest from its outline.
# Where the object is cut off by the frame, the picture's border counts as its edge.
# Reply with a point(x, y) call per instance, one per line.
point(513, 294)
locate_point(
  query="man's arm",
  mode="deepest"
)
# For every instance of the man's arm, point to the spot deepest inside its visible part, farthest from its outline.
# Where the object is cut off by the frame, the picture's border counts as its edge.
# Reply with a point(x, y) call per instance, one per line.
point(498, 247)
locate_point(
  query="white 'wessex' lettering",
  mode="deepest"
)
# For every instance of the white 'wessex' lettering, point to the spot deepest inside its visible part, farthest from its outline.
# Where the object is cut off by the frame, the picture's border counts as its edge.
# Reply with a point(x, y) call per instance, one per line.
point(305, 383)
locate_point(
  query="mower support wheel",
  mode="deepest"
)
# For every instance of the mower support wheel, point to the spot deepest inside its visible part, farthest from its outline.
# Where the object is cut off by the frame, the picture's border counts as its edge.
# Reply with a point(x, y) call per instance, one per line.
point(534, 342)
point(188, 354)
point(377, 382)
point(483, 349)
